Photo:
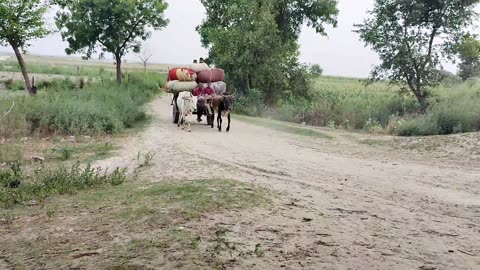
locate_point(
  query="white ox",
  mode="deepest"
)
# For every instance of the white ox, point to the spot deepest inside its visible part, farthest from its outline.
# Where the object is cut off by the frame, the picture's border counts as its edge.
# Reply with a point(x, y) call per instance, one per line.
point(186, 104)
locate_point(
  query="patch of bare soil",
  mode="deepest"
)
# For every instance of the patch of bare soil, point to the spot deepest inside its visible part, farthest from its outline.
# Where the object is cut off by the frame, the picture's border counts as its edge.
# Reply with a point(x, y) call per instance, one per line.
point(352, 202)
point(346, 204)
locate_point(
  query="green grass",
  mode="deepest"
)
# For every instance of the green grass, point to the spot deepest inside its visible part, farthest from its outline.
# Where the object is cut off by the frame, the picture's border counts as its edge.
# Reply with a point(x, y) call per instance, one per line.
point(350, 84)
point(99, 108)
point(179, 200)
point(10, 153)
point(453, 110)
point(378, 108)
point(134, 225)
point(44, 183)
point(56, 150)
point(88, 152)
point(79, 70)
point(347, 103)
point(193, 198)
point(284, 127)
point(336, 102)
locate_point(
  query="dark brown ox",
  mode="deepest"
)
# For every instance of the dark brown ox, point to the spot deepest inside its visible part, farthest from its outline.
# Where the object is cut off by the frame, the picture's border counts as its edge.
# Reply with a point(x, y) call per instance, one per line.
point(222, 106)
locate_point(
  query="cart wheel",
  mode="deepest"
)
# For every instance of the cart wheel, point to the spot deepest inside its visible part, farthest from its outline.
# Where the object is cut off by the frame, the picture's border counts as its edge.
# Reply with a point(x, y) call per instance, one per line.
point(175, 114)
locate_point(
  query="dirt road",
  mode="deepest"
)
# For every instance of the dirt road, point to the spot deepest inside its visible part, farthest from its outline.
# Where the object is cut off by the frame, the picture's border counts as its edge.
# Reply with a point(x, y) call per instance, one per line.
point(340, 204)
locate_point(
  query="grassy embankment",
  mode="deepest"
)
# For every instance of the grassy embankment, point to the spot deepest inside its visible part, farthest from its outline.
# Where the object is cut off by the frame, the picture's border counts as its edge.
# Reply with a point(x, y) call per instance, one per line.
point(379, 108)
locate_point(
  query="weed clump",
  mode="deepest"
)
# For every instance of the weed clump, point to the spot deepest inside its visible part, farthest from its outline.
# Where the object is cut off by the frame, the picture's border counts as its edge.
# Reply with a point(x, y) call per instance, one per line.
point(18, 188)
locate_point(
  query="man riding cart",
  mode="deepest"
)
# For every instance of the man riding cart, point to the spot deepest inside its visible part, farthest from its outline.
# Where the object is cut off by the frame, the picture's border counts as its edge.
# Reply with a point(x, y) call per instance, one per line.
point(205, 97)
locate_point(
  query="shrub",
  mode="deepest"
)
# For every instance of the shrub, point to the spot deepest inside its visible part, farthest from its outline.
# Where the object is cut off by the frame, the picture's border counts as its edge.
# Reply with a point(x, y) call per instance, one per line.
point(64, 84)
point(349, 107)
point(101, 107)
point(49, 182)
point(343, 102)
point(410, 128)
point(454, 111)
point(250, 103)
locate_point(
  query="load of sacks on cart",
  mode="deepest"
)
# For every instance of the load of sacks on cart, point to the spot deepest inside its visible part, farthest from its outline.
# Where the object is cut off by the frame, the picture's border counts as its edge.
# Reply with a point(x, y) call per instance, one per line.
point(186, 79)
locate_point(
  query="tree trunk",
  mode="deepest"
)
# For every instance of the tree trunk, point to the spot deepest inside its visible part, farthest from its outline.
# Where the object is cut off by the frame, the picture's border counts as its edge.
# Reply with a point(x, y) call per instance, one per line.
point(118, 60)
point(423, 104)
point(23, 68)
point(420, 94)
point(144, 66)
point(422, 99)
point(247, 84)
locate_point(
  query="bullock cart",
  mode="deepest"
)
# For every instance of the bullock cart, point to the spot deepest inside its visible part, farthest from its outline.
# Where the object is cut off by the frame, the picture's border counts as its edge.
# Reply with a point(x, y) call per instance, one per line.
point(202, 111)
point(186, 79)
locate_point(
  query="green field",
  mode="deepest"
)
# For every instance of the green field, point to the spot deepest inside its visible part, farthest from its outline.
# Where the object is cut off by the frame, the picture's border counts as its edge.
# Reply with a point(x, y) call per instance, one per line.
point(336, 102)
point(70, 107)
point(348, 103)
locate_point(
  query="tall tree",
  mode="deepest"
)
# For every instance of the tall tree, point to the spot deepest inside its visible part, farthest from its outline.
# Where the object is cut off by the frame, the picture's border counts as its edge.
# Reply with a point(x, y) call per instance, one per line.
point(20, 22)
point(256, 41)
point(469, 54)
point(113, 26)
point(412, 37)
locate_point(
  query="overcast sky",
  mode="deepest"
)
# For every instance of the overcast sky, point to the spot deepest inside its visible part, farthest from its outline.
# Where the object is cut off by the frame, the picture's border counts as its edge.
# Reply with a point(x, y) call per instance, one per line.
point(341, 53)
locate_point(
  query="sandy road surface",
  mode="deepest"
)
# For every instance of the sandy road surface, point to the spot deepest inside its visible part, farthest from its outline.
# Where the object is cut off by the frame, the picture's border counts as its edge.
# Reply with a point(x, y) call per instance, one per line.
point(341, 204)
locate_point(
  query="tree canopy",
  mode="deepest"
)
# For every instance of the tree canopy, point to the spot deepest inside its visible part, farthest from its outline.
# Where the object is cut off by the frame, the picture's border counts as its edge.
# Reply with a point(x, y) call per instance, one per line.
point(411, 38)
point(21, 21)
point(316, 70)
point(469, 54)
point(256, 41)
point(111, 26)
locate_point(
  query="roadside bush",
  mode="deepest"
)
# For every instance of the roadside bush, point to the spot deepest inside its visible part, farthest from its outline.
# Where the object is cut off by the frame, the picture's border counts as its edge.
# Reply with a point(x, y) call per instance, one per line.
point(347, 103)
point(250, 103)
point(13, 124)
point(16, 188)
point(455, 111)
point(101, 107)
point(412, 127)
point(351, 109)
point(11, 152)
point(442, 120)
point(64, 84)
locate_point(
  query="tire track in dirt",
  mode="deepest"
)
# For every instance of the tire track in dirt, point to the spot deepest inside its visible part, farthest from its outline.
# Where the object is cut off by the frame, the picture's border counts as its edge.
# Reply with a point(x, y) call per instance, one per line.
point(342, 205)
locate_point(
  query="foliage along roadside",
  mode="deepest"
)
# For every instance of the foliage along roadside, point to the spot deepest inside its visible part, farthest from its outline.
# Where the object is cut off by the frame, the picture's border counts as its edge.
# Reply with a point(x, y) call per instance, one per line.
point(378, 108)
point(256, 43)
point(412, 38)
point(16, 187)
point(63, 108)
